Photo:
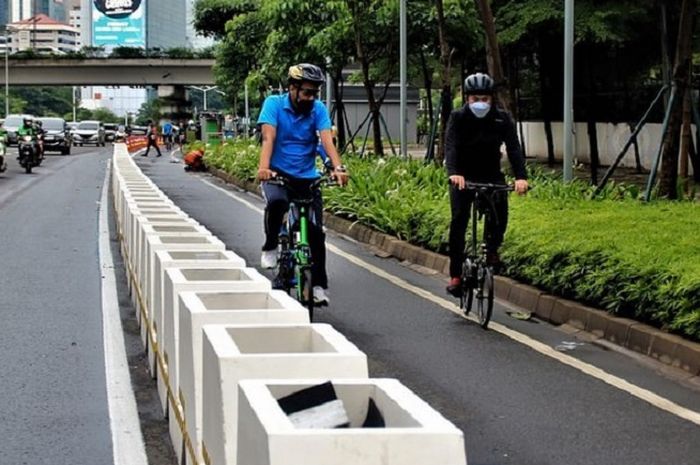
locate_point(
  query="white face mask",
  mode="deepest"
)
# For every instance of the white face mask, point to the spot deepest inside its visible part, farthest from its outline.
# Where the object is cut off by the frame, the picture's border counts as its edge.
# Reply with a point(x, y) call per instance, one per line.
point(480, 109)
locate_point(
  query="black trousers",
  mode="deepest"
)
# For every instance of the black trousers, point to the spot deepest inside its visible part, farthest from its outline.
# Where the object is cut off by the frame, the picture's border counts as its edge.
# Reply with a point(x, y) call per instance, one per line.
point(152, 144)
point(277, 204)
point(460, 204)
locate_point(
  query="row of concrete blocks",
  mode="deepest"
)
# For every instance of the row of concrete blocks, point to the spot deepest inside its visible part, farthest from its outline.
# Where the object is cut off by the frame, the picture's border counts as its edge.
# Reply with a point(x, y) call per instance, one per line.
point(224, 347)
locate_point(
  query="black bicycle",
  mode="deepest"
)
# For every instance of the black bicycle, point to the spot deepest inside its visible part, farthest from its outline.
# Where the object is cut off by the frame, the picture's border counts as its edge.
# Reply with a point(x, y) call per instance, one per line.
point(477, 273)
point(295, 260)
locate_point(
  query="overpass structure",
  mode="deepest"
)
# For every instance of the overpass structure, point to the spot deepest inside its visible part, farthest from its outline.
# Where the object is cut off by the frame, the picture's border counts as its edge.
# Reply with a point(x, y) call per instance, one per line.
point(109, 72)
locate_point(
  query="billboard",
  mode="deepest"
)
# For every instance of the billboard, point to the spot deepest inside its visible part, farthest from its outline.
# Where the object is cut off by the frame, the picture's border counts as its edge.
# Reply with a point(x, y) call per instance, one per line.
point(118, 23)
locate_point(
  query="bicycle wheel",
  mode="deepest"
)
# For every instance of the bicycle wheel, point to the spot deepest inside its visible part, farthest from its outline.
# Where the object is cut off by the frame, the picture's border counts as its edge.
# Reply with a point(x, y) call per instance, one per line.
point(484, 296)
point(305, 290)
point(467, 298)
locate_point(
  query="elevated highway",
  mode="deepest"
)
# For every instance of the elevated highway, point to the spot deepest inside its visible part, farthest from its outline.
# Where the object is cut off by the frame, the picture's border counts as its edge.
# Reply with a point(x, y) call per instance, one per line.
point(109, 72)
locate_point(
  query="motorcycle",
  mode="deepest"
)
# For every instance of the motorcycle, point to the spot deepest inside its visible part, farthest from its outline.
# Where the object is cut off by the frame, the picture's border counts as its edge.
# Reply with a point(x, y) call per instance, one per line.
point(29, 152)
point(3, 152)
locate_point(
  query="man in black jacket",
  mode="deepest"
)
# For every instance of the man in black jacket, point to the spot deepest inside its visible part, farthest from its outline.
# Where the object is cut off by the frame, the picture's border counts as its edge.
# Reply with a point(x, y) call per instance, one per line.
point(473, 140)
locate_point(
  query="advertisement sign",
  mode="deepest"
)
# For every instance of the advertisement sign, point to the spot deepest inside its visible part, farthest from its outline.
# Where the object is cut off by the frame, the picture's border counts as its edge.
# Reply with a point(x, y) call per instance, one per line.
point(118, 23)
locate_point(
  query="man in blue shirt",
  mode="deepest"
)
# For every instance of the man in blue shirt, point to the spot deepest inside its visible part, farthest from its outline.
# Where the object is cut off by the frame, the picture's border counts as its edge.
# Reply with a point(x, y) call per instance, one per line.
point(289, 123)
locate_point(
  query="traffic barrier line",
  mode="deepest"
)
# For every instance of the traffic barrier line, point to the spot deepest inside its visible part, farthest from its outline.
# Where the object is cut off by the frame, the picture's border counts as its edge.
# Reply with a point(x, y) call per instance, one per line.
point(174, 404)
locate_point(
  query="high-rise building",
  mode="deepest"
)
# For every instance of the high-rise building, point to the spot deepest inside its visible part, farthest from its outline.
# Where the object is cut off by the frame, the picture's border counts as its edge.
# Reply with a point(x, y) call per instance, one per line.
point(43, 34)
point(166, 24)
point(193, 39)
point(4, 13)
point(25, 9)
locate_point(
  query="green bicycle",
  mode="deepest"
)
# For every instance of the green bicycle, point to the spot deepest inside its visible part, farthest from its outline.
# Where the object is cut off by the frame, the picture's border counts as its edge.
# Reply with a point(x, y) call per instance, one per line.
point(295, 261)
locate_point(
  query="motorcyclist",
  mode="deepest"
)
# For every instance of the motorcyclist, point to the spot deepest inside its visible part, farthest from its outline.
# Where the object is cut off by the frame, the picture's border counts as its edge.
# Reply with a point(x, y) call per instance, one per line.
point(27, 128)
point(40, 133)
point(3, 148)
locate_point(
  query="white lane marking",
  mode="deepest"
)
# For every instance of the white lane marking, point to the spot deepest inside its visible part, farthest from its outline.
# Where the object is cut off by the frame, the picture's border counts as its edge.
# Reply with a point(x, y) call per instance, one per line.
point(612, 380)
point(127, 439)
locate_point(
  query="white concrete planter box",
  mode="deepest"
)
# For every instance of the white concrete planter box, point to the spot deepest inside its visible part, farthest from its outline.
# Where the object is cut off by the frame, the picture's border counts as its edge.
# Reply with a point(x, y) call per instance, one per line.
point(152, 244)
point(415, 433)
point(235, 353)
point(134, 237)
point(177, 228)
point(176, 280)
point(154, 286)
point(146, 256)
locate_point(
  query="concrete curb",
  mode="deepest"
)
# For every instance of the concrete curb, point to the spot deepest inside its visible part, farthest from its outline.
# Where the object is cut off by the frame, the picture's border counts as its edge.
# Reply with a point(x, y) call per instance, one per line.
point(639, 337)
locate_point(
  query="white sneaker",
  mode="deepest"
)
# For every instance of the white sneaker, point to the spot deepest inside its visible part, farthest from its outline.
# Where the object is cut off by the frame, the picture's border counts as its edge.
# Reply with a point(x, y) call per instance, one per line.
point(320, 296)
point(268, 259)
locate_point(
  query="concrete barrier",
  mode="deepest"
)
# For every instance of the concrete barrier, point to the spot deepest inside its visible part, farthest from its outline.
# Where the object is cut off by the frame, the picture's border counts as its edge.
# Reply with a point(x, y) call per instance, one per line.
point(182, 243)
point(176, 280)
point(154, 283)
point(235, 353)
point(415, 434)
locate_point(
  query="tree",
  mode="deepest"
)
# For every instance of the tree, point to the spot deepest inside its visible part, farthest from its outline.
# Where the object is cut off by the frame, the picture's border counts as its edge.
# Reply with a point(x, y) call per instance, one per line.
point(211, 16)
point(149, 112)
point(681, 81)
point(106, 116)
point(375, 32)
point(493, 52)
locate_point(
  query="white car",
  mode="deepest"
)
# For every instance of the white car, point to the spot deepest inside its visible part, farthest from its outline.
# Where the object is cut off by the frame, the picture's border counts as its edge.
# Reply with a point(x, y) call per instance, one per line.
point(89, 132)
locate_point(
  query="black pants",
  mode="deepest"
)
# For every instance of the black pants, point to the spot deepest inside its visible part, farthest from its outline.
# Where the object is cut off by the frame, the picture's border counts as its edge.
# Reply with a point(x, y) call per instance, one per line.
point(152, 144)
point(460, 203)
point(277, 199)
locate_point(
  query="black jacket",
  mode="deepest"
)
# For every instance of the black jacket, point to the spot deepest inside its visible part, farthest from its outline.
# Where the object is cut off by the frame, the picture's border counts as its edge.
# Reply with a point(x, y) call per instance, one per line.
point(473, 146)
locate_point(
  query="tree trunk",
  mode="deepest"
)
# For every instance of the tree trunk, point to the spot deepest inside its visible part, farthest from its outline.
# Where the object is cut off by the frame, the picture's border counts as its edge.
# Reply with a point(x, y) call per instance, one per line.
point(591, 103)
point(366, 81)
point(339, 107)
point(445, 72)
point(685, 139)
point(428, 85)
point(493, 53)
point(545, 100)
point(681, 75)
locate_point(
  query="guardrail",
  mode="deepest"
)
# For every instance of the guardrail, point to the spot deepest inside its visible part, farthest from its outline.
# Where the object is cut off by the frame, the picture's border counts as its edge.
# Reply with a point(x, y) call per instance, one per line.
point(225, 348)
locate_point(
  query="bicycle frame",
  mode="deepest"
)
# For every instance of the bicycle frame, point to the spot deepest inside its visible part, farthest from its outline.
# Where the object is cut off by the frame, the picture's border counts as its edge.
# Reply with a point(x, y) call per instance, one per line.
point(301, 248)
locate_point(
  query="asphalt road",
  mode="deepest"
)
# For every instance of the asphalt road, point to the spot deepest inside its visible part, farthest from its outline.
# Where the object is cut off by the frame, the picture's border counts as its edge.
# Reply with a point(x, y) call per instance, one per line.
point(515, 405)
point(53, 407)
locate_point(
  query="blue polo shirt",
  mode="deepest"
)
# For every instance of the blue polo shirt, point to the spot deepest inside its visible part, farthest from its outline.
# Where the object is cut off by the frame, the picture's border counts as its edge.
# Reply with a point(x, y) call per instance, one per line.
point(294, 152)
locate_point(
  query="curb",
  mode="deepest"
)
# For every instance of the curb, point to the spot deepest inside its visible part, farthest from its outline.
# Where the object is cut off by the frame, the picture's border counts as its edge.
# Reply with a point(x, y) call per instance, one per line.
point(642, 338)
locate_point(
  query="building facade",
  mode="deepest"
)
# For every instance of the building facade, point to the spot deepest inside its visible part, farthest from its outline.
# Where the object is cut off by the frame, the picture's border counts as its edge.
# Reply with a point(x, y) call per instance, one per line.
point(166, 23)
point(43, 34)
point(24, 9)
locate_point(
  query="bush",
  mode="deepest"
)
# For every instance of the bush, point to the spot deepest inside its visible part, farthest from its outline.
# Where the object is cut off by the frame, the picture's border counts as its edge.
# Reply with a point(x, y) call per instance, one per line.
point(634, 259)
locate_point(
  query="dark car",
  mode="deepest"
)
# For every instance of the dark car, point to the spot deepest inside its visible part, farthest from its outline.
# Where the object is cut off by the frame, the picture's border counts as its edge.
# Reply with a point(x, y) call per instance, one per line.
point(110, 132)
point(12, 124)
point(57, 135)
point(89, 132)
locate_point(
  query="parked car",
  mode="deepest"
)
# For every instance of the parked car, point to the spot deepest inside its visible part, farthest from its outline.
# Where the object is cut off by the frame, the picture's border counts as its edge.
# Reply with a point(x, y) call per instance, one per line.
point(110, 132)
point(57, 137)
point(89, 132)
point(12, 125)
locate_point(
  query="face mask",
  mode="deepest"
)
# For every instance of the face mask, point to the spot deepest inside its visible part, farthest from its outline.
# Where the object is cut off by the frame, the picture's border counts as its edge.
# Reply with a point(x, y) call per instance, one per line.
point(480, 109)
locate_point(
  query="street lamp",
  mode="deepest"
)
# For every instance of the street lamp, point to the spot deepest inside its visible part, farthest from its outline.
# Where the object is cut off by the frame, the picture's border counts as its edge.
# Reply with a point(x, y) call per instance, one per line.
point(568, 89)
point(205, 90)
point(7, 72)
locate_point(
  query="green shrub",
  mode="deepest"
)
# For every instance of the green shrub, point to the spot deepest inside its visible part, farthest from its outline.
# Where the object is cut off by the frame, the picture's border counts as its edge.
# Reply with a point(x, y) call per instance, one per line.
point(633, 259)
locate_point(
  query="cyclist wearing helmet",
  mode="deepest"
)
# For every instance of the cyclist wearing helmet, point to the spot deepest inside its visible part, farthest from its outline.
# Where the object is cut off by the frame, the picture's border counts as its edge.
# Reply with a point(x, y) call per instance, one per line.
point(473, 142)
point(289, 123)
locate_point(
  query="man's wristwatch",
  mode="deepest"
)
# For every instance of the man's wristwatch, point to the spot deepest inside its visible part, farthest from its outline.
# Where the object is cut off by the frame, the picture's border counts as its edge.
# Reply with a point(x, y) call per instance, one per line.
point(341, 169)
